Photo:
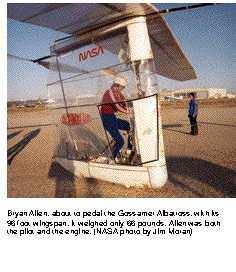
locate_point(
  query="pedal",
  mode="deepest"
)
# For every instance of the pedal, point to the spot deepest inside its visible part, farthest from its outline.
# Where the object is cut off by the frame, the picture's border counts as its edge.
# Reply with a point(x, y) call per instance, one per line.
point(131, 156)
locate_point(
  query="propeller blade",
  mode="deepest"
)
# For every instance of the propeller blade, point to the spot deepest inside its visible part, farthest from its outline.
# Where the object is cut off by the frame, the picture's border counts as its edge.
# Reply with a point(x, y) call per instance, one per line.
point(109, 72)
point(63, 68)
point(11, 57)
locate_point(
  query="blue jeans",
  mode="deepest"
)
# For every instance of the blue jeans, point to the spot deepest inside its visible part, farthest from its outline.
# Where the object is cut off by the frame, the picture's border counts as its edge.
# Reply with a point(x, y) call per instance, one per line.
point(113, 125)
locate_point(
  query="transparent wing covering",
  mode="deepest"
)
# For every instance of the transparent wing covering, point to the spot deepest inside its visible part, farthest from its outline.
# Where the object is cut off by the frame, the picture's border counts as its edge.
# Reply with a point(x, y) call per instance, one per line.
point(77, 87)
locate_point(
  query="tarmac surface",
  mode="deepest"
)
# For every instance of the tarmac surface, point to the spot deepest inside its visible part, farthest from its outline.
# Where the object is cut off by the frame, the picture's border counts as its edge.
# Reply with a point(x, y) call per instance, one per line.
point(198, 166)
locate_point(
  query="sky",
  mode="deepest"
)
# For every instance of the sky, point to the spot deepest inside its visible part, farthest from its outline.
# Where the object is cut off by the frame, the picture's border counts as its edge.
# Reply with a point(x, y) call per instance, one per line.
point(206, 35)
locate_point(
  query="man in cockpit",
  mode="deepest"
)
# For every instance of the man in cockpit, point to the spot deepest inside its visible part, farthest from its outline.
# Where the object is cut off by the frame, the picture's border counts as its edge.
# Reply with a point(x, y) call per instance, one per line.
point(112, 103)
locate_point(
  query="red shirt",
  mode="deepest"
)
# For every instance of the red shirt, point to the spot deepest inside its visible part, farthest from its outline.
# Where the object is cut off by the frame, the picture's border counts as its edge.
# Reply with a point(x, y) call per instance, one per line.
point(111, 96)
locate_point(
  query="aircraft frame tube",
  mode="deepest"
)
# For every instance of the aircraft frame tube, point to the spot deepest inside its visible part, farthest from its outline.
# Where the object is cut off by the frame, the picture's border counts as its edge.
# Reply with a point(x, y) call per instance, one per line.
point(141, 53)
point(140, 47)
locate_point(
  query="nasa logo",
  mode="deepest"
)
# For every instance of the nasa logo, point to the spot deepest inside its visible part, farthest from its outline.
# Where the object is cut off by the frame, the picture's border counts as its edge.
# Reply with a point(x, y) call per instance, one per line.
point(73, 119)
point(92, 53)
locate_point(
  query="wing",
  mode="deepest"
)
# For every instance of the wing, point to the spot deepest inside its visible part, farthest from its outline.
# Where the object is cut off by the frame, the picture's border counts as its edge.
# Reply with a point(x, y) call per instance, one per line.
point(169, 58)
point(80, 18)
point(53, 66)
point(72, 18)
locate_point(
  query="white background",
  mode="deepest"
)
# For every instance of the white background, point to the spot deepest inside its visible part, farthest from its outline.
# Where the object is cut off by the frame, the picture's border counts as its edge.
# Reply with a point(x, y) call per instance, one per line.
point(208, 249)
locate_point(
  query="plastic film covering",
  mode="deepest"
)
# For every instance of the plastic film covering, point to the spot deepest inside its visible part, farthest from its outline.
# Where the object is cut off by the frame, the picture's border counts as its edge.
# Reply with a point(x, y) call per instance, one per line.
point(77, 88)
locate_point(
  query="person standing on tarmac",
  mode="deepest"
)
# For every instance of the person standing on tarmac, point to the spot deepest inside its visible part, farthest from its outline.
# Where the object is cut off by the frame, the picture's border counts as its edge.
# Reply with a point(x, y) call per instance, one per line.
point(192, 114)
point(111, 123)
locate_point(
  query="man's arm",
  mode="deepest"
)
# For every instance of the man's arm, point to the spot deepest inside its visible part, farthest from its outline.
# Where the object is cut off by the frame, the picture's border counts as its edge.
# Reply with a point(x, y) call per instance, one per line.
point(195, 108)
point(120, 106)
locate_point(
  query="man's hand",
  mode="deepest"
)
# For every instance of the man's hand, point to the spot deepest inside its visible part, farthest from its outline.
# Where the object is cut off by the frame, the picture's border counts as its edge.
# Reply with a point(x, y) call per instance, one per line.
point(131, 112)
point(194, 115)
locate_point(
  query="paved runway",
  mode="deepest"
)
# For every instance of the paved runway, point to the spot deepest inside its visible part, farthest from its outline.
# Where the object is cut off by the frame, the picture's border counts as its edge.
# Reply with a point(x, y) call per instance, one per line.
point(198, 166)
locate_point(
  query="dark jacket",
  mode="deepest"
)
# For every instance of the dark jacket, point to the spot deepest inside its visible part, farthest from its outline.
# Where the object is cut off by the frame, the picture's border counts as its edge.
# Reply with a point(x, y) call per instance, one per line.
point(193, 107)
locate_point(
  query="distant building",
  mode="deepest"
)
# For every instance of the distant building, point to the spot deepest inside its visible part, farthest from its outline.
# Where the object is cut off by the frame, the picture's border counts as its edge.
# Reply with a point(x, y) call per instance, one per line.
point(230, 95)
point(200, 93)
